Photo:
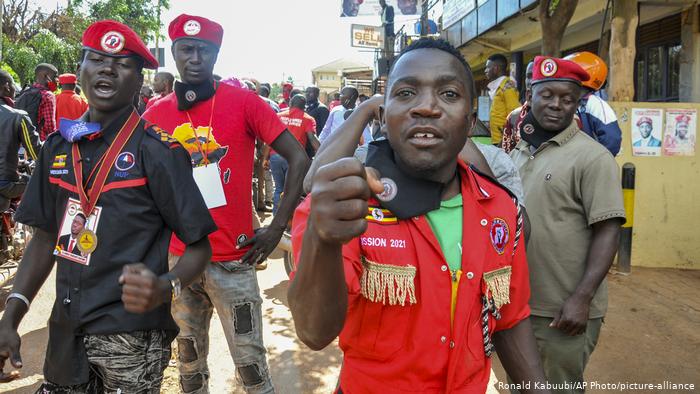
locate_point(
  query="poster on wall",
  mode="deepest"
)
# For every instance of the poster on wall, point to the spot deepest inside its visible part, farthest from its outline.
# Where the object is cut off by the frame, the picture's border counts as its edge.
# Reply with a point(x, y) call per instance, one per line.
point(647, 127)
point(353, 8)
point(680, 133)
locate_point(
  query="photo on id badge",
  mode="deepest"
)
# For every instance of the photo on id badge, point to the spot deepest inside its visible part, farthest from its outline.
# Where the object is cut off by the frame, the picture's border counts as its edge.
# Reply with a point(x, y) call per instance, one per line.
point(77, 237)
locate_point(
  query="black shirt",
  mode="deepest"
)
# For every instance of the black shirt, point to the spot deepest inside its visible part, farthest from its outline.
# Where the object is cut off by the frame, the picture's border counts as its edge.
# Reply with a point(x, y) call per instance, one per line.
point(141, 207)
point(320, 113)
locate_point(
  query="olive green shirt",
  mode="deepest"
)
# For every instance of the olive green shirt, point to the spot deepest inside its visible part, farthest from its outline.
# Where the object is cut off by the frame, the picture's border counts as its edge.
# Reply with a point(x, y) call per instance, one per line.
point(570, 182)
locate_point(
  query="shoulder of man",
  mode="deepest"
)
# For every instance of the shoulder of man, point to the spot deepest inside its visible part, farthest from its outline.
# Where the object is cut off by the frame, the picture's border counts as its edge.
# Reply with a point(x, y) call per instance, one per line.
point(508, 83)
point(161, 135)
point(490, 187)
point(600, 109)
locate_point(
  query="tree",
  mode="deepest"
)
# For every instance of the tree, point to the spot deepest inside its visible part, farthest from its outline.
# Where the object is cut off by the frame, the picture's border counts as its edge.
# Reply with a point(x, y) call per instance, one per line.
point(140, 15)
point(31, 35)
point(623, 29)
point(554, 17)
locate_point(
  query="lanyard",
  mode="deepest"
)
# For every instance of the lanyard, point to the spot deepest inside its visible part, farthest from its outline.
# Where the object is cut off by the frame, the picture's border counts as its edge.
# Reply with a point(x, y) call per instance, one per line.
point(202, 149)
point(88, 199)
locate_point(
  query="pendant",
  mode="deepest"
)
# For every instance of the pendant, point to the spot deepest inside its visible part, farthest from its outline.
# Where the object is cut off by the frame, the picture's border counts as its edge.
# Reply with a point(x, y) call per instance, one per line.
point(87, 241)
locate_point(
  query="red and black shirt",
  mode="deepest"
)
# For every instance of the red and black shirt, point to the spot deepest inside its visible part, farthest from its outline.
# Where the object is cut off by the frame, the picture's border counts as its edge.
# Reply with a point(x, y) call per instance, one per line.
point(142, 204)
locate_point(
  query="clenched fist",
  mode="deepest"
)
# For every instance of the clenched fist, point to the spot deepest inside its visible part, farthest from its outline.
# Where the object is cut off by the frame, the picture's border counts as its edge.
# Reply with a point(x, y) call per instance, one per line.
point(142, 290)
point(339, 199)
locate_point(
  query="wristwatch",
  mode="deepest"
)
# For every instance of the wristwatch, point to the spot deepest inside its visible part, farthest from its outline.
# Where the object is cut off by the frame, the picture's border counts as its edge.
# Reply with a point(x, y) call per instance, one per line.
point(175, 285)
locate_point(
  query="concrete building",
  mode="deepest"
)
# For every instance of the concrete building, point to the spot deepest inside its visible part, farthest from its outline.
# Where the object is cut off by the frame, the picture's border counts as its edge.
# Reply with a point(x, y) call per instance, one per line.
point(331, 77)
point(667, 59)
point(660, 68)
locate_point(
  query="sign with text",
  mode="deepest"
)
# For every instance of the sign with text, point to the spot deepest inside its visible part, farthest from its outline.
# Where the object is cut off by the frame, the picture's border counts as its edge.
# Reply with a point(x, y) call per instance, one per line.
point(365, 36)
point(454, 10)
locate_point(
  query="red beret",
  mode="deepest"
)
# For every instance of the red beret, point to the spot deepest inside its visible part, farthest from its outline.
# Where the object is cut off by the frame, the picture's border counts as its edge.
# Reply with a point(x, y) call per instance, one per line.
point(683, 118)
point(116, 39)
point(554, 69)
point(644, 119)
point(67, 79)
point(190, 26)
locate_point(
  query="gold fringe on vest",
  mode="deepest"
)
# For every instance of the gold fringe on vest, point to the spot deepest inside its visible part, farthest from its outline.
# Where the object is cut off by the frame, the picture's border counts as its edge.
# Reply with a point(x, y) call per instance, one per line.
point(498, 282)
point(382, 281)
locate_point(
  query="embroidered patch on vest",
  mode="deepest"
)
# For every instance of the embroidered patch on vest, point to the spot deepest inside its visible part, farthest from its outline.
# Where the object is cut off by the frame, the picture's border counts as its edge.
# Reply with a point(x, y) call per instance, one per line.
point(498, 284)
point(392, 283)
point(499, 235)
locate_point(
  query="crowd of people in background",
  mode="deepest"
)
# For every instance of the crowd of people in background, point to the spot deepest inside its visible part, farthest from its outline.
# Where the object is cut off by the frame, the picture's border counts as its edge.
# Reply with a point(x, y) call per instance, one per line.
point(547, 180)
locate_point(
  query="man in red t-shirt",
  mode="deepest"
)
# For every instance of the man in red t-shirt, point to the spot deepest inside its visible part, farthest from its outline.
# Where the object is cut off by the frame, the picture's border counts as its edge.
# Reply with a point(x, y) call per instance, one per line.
point(69, 105)
point(303, 127)
point(218, 124)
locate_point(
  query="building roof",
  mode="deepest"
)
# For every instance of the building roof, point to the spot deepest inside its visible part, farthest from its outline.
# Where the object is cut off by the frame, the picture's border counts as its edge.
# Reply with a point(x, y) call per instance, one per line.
point(342, 64)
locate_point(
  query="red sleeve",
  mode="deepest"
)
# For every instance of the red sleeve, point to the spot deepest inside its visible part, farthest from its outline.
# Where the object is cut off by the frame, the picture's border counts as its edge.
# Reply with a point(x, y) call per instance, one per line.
point(519, 307)
point(261, 120)
point(351, 250)
point(310, 125)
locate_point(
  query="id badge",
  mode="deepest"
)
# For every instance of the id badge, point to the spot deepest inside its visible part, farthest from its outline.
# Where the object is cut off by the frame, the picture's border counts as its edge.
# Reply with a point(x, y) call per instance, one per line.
point(209, 182)
point(77, 236)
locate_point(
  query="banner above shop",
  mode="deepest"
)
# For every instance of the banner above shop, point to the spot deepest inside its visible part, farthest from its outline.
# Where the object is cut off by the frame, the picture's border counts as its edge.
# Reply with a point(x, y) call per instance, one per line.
point(353, 8)
point(454, 10)
point(364, 36)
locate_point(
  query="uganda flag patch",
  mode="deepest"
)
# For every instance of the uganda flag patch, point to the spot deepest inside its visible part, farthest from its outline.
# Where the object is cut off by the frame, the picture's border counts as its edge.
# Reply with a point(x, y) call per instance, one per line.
point(379, 215)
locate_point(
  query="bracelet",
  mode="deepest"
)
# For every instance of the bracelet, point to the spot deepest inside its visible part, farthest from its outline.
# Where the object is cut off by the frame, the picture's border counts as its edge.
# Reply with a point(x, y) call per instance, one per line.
point(19, 297)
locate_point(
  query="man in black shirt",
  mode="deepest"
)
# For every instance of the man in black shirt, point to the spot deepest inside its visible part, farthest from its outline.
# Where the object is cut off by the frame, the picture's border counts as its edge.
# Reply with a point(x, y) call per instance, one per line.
point(15, 129)
point(111, 328)
point(315, 108)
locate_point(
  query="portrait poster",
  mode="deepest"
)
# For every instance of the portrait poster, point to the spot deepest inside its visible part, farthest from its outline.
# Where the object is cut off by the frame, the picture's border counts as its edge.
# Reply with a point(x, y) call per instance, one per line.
point(647, 131)
point(77, 236)
point(680, 133)
point(355, 8)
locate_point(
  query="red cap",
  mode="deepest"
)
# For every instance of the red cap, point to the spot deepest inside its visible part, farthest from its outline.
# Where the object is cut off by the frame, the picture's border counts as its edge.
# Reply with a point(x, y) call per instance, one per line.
point(683, 118)
point(116, 39)
point(66, 79)
point(189, 26)
point(644, 119)
point(555, 69)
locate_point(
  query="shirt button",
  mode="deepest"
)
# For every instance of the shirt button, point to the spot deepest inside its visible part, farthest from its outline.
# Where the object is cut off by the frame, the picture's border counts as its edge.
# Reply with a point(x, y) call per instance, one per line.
point(470, 275)
point(66, 301)
point(76, 290)
point(443, 339)
point(484, 222)
point(416, 218)
point(532, 157)
point(452, 344)
point(87, 159)
point(443, 268)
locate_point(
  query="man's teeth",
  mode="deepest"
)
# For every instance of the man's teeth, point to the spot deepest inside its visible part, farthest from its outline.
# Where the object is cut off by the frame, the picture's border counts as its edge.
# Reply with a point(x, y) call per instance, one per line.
point(424, 135)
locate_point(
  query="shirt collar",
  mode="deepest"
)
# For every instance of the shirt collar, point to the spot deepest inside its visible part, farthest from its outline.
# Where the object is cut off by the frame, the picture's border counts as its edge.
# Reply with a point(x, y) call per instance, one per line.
point(472, 185)
point(493, 85)
point(560, 139)
point(109, 131)
point(40, 86)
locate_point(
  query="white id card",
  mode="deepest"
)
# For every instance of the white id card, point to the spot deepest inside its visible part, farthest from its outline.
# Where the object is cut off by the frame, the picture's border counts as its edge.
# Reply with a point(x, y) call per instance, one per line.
point(77, 238)
point(209, 182)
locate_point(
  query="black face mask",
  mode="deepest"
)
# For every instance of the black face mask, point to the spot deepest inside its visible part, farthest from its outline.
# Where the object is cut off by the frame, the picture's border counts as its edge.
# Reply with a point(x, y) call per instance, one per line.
point(189, 95)
point(404, 195)
point(532, 132)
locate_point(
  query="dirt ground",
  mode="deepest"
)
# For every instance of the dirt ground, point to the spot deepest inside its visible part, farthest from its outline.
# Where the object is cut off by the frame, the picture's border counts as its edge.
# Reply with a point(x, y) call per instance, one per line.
point(651, 335)
point(651, 332)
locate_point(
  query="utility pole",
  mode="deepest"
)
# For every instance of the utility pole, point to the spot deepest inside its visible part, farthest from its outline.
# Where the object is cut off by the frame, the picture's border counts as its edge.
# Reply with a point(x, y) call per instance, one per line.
point(424, 18)
point(158, 32)
point(2, 10)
